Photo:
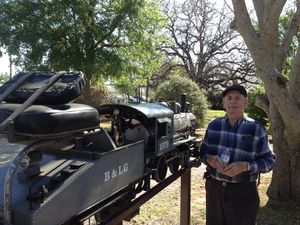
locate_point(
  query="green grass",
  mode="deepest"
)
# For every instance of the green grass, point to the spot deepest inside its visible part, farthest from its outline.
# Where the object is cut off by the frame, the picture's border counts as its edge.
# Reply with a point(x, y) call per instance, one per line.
point(212, 114)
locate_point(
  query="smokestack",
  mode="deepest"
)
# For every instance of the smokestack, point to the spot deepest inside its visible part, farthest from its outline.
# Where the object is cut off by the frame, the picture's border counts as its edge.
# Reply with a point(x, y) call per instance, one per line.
point(183, 102)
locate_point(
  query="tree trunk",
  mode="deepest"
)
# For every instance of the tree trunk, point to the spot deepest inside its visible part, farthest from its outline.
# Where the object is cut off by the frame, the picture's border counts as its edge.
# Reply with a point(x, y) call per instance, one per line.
point(87, 98)
point(270, 48)
point(285, 184)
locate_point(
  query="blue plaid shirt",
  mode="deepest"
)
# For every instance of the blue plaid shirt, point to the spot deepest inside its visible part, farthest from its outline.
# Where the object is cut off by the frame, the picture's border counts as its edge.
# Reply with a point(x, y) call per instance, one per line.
point(246, 140)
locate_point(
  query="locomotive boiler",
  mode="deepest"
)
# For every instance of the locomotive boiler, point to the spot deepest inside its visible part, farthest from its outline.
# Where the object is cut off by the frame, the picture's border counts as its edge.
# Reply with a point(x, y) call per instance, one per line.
point(70, 163)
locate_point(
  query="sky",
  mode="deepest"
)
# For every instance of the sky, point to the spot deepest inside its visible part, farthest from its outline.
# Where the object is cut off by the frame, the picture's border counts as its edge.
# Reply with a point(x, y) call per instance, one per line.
point(4, 64)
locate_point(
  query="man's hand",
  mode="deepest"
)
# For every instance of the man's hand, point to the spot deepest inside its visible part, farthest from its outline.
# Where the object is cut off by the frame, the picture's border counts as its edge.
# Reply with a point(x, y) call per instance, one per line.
point(235, 168)
point(215, 162)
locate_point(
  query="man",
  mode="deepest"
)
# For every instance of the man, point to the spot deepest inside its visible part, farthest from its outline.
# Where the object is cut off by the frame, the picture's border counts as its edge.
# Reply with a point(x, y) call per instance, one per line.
point(235, 149)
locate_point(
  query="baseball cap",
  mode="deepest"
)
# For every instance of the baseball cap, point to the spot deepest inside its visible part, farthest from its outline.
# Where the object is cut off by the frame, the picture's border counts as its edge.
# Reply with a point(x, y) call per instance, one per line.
point(235, 87)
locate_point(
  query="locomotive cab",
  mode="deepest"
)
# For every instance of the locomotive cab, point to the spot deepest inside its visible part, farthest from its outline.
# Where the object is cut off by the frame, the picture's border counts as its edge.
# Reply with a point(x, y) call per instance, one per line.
point(150, 122)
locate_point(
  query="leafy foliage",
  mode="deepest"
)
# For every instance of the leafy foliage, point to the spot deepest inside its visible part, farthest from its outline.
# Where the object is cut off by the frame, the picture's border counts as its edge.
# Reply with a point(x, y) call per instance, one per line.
point(282, 26)
point(215, 99)
point(255, 112)
point(175, 85)
point(101, 38)
point(3, 77)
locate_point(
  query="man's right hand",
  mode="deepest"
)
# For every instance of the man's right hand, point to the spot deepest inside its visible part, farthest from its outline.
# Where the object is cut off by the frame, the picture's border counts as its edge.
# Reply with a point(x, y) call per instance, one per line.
point(215, 162)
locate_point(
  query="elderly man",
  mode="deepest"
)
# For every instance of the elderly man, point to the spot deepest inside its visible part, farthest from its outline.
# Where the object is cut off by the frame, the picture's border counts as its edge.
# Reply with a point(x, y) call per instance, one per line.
point(236, 150)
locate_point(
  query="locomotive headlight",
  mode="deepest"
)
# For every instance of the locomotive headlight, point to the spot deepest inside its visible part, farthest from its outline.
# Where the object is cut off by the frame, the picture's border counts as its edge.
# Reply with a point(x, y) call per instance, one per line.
point(116, 112)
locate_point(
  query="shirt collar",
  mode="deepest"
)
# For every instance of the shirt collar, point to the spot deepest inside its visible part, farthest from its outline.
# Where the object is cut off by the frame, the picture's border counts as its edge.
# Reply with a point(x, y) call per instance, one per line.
point(238, 122)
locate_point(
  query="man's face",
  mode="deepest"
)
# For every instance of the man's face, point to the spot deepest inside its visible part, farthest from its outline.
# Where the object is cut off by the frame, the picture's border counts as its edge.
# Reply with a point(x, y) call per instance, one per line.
point(234, 103)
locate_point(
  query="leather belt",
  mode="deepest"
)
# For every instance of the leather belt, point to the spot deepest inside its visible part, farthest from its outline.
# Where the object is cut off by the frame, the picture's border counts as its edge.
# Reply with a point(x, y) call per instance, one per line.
point(231, 184)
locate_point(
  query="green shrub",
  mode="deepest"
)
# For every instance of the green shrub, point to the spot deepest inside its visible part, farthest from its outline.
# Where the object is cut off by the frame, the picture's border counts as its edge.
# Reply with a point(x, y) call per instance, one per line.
point(3, 78)
point(255, 112)
point(215, 100)
point(174, 86)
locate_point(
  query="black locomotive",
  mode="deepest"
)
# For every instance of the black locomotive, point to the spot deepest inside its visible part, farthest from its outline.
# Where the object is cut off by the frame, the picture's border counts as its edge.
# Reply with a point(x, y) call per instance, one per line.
point(70, 163)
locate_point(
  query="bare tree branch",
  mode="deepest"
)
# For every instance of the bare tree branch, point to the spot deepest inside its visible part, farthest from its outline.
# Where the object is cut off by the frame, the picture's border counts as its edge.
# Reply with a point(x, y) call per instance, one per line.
point(264, 51)
point(204, 45)
point(268, 12)
point(243, 24)
point(259, 7)
point(262, 102)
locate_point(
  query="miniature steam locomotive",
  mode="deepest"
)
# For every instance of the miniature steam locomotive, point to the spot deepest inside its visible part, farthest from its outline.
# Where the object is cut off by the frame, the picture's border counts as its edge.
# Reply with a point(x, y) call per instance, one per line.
point(70, 163)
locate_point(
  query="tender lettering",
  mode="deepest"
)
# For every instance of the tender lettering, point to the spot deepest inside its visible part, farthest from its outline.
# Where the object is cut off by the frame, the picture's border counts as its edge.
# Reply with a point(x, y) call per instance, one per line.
point(115, 172)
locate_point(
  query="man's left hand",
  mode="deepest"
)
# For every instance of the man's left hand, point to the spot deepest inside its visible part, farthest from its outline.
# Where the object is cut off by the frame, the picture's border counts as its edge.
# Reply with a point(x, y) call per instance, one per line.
point(235, 168)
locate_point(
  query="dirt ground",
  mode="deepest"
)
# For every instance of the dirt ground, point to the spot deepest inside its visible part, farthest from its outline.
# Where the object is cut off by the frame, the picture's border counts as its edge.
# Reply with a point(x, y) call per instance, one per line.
point(164, 208)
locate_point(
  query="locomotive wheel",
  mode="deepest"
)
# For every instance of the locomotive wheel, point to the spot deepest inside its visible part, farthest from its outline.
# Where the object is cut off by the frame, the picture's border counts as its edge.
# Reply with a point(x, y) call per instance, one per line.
point(160, 170)
point(174, 165)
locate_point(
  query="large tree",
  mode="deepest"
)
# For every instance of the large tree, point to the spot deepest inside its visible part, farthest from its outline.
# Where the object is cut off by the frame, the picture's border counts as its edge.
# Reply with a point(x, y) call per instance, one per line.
point(108, 38)
point(203, 44)
point(269, 48)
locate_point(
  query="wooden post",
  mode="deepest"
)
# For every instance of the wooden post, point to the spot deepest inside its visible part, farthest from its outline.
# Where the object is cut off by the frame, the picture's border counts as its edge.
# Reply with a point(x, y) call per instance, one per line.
point(185, 198)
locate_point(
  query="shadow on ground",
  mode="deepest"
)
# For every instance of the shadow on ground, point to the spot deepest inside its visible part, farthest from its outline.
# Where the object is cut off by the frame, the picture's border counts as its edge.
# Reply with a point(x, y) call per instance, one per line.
point(278, 213)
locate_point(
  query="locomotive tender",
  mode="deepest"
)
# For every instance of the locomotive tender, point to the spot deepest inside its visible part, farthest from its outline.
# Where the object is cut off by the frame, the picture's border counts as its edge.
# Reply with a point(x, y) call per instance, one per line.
point(70, 163)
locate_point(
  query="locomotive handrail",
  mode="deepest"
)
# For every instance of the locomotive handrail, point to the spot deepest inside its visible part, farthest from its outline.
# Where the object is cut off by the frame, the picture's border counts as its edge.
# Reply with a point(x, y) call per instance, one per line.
point(30, 100)
point(179, 142)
